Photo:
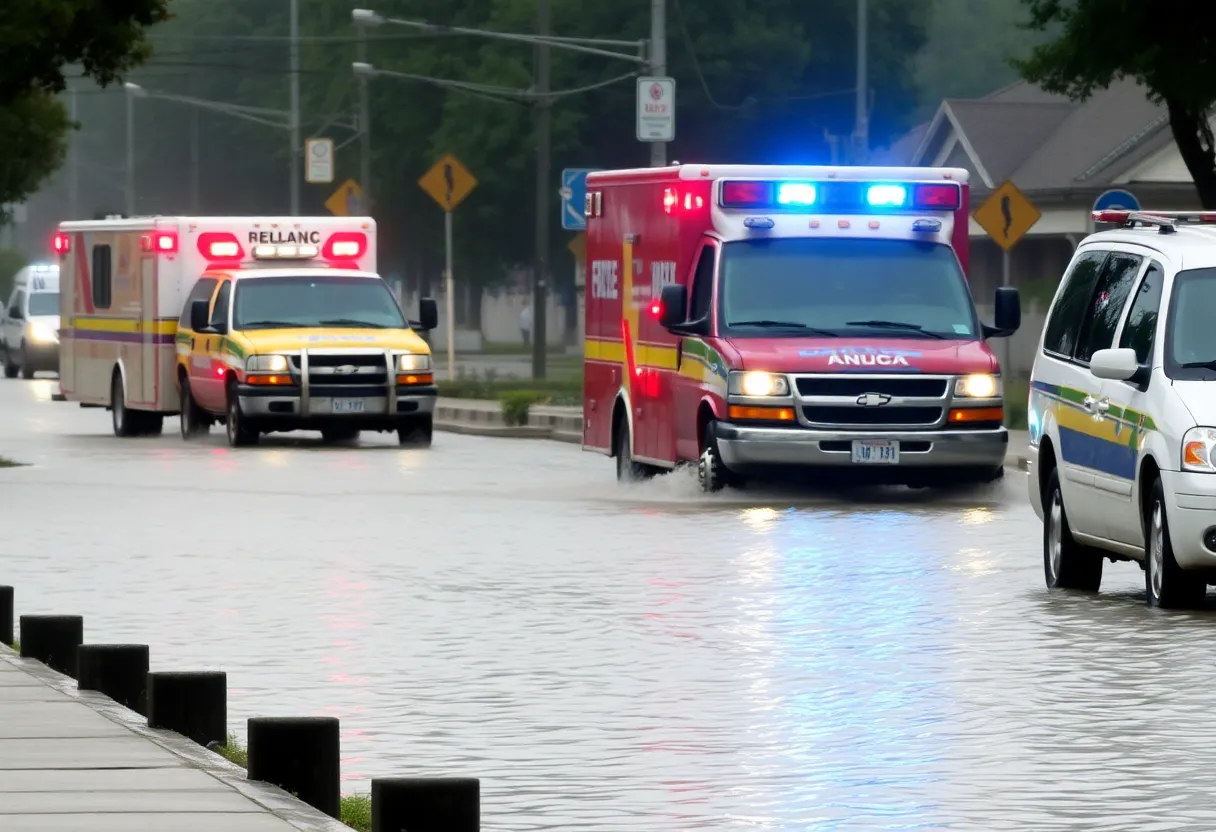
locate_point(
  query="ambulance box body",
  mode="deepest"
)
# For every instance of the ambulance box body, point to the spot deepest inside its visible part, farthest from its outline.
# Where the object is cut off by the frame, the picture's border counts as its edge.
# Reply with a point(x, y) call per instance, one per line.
point(761, 320)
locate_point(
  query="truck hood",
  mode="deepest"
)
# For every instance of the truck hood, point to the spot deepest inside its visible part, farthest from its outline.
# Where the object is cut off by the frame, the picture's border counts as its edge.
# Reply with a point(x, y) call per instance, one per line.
point(1199, 397)
point(842, 355)
point(292, 340)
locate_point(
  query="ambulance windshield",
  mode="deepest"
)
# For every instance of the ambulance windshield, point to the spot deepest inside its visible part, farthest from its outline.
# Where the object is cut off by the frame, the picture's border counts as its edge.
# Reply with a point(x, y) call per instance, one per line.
point(290, 302)
point(876, 288)
point(44, 303)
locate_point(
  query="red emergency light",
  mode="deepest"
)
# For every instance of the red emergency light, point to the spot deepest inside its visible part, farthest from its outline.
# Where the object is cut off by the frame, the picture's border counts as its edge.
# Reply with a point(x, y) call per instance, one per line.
point(345, 245)
point(161, 242)
point(62, 244)
point(1123, 216)
point(220, 247)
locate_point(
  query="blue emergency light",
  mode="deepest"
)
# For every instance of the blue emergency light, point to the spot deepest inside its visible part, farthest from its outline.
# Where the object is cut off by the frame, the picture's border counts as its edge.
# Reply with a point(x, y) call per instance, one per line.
point(839, 197)
point(45, 268)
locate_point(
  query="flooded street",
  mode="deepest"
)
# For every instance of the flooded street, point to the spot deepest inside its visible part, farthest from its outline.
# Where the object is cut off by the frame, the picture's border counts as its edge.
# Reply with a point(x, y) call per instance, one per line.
point(610, 658)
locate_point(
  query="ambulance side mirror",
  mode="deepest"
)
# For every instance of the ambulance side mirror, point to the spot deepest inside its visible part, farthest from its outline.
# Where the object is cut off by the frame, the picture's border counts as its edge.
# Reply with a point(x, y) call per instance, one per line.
point(1007, 316)
point(428, 314)
point(199, 319)
point(674, 306)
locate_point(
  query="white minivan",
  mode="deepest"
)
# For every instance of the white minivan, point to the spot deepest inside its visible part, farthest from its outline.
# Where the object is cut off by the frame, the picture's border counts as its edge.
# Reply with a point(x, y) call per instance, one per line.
point(29, 326)
point(1122, 410)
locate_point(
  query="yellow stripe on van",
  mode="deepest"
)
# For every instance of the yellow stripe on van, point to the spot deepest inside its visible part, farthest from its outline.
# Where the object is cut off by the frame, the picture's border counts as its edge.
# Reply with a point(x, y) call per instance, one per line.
point(95, 324)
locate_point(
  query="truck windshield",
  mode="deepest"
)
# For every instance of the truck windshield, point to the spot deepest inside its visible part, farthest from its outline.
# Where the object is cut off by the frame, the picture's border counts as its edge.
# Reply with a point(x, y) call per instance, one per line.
point(1190, 342)
point(877, 288)
point(44, 303)
point(291, 302)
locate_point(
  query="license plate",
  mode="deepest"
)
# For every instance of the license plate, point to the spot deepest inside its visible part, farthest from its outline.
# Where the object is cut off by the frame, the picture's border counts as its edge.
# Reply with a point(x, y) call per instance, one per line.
point(874, 451)
point(348, 406)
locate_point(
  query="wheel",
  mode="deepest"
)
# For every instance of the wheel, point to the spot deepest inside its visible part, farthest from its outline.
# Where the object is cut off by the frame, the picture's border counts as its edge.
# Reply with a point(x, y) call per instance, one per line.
point(1166, 584)
point(27, 369)
point(191, 417)
point(340, 434)
point(712, 473)
point(10, 369)
point(240, 432)
point(1067, 564)
point(626, 469)
point(417, 432)
point(126, 422)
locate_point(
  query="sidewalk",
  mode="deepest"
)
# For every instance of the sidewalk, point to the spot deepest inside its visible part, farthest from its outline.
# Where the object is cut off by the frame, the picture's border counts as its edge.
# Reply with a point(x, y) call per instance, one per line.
point(73, 760)
point(565, 424)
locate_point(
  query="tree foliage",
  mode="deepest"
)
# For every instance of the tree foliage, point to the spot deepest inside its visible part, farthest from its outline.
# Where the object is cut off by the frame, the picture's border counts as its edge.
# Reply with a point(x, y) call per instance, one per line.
point(33, 141)
point(1168, 46)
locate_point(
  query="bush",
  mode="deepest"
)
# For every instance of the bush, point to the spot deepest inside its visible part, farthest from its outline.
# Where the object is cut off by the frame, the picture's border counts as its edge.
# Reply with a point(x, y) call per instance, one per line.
point(560, 391)
point(515, 405)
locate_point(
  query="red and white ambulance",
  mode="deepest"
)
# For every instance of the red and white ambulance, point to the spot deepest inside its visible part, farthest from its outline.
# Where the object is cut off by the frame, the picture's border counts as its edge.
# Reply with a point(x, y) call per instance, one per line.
point(760, 320)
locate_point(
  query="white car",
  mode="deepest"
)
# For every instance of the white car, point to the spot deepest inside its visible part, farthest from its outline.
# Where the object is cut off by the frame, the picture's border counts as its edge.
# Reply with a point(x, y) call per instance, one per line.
point(29, 323)
point(1122, 411)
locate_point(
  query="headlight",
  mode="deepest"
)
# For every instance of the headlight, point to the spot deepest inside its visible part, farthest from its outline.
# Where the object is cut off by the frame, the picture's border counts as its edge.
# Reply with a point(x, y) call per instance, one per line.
point(759, 384)
point(411, 362)
point(266, 364)
point(40, 333)
point(978, 386)
point(1197, 448)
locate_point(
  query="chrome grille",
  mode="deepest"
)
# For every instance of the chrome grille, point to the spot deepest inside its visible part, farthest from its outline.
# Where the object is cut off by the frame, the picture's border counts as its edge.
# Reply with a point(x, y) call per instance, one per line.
point(872, 401)
point(330, 370)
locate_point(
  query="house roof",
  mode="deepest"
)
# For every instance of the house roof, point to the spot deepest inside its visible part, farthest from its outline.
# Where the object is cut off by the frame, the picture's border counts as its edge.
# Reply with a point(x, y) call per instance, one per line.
point(1040, 140)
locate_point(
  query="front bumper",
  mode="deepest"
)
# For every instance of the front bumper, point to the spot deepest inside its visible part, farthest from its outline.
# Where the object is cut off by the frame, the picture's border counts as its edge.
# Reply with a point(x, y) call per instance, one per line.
point(1190, 511)
point(745, 448)
point(44, 358)
point(285, 409)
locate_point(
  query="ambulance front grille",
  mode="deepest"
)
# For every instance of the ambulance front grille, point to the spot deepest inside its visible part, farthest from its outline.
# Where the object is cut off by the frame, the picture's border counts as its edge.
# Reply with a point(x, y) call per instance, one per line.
point(864, 417)
point(328, 370)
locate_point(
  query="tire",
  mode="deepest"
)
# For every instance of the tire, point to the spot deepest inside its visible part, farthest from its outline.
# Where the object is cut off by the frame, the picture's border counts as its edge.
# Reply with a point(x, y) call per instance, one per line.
point(10, 369)
point(240, 433)
point(125, 422)
point(27, 369)
point(340, 434)
point(1166, 584)
point(626, 469)
point(712, 473)
point(1067, 564)
point(191, 417)
point(417, 432)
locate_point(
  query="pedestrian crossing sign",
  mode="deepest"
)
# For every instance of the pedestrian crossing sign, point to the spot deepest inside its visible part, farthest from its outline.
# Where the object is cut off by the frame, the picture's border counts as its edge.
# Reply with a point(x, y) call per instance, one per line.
point(448, 182)
point(1007, 215)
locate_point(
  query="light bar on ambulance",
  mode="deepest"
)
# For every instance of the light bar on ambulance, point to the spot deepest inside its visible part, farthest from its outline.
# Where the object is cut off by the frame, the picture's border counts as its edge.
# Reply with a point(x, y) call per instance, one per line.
point(836, 197)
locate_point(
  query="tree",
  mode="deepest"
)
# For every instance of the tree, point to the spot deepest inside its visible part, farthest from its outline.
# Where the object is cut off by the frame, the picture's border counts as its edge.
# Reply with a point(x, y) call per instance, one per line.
point(33, 140)
point(1166, 46)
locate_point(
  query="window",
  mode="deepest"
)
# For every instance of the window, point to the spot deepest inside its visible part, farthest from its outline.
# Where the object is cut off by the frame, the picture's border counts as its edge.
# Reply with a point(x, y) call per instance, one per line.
point(295, 301)
point(702, 285)
point(219, 312)
point(1141, 323)
point(1106, 308)
point(101, 277)
point(44, 303)
point(1190, 337)
point(15, 308)
point(862, 288)
point(201, 291)
point(1071, 300)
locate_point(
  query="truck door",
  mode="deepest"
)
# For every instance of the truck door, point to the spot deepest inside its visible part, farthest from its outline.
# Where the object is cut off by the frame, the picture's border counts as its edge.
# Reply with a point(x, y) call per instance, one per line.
point(206, 388)
point(149, 348)
point(692, 365)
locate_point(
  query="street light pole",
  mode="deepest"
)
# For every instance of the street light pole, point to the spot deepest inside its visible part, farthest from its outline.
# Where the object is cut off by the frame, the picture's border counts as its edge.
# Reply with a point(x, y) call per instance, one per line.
point(658, 66)
point(129, 92)
point(365, 134)
point(294, 118)
point(540, 272)
point(862, 137)
point(73, 162)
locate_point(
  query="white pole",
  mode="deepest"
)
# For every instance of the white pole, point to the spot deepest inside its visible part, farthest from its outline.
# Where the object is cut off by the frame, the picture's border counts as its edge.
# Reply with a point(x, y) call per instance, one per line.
point(658, 66)
point(294, 150)
point(862, 138)
point(448, 292)
point(1007, 369)
point(130, 152)
point(73, 163)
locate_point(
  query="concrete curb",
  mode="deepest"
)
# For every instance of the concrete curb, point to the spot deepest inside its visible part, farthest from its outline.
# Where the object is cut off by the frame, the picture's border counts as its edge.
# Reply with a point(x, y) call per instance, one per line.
point(273, 799)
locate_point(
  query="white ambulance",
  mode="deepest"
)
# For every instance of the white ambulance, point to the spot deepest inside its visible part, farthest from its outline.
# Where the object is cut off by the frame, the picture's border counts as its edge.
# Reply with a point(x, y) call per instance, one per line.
point(29, 322)
point(125, 285)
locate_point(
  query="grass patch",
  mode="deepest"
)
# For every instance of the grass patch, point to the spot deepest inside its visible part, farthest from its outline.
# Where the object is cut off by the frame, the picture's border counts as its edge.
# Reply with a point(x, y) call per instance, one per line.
point(558, 391)
point(508, 348)
point(1016, 398)
point(234, 752)
point(8, 463)
point(357, 811)
point(16, 645)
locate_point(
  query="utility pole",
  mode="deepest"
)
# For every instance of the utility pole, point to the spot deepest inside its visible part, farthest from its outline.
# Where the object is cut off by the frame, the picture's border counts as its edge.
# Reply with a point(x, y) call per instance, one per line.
point(861, 135)
point(540, 272)
point(130, 96)
point(365, 134)
point(294, 117)
point(194, 156)
point(73, 161)
point(658, 66)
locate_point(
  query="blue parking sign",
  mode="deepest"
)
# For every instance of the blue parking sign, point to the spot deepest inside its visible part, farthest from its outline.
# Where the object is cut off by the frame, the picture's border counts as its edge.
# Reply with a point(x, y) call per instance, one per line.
point(574, 194)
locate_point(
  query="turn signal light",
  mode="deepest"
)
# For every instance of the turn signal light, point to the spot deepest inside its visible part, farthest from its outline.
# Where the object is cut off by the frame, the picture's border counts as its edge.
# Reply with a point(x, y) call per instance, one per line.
point(766, 414)
point(414, 379)
point(978, 414)
point(269, 380)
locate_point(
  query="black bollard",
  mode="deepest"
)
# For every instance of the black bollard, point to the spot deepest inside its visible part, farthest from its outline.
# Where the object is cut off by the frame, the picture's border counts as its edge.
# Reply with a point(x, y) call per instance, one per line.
point(52, 640)
point(437, 804)
point(6, 615)
point(120, 671)
point(299, 755)
point(194, 705)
